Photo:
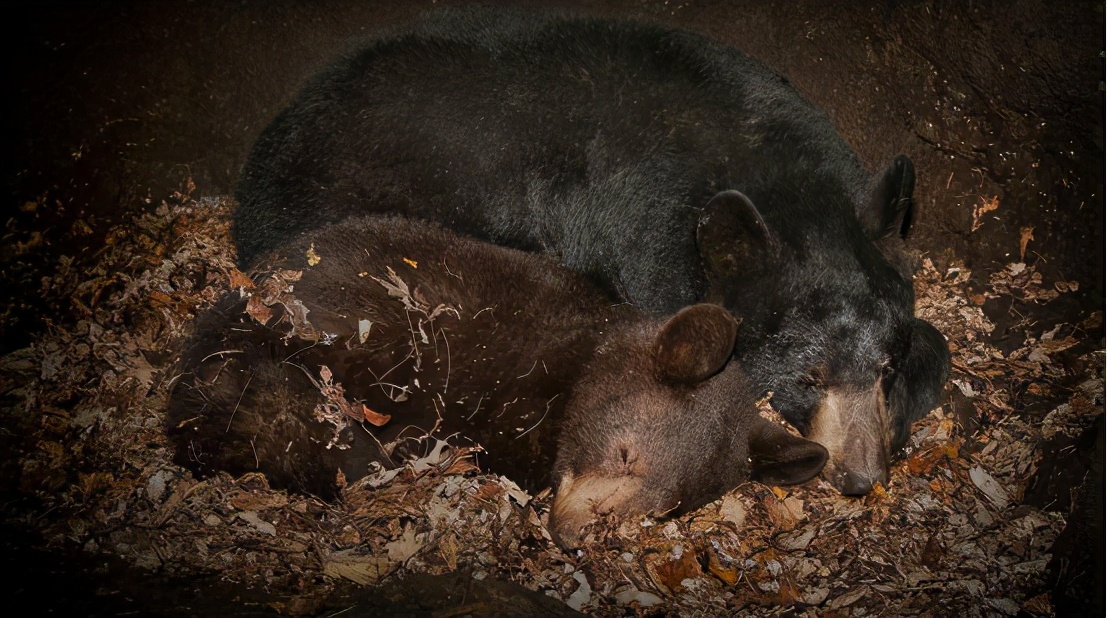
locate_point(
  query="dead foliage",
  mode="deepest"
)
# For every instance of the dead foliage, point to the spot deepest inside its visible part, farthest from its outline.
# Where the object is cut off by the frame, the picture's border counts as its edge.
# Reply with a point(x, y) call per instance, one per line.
point(949, 535)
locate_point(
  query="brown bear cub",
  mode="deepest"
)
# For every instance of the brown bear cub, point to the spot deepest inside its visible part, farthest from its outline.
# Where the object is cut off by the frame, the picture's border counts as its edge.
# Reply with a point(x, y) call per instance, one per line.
point(362, 334)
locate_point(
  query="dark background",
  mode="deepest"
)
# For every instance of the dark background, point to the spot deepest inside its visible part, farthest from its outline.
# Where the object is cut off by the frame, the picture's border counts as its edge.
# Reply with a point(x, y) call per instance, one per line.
point(110, 102)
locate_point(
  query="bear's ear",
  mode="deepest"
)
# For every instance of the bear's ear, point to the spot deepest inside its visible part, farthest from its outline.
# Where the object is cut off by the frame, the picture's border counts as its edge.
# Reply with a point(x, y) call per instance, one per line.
point(777, 457)
point(731, 237)
point(919, 379)
point(695, 343)
point(889, 207)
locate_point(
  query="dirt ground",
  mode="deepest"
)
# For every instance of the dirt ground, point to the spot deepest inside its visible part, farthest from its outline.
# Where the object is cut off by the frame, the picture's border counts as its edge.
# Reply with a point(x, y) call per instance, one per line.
point(127, 125)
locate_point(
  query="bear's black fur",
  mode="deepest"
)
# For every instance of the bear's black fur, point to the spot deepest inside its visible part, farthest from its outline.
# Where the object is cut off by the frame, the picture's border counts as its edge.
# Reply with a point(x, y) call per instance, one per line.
point(668, 168)
point(449, 335)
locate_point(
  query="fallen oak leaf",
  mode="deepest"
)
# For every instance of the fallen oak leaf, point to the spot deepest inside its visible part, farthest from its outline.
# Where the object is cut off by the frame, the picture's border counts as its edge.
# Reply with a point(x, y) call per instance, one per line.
point(668, 571)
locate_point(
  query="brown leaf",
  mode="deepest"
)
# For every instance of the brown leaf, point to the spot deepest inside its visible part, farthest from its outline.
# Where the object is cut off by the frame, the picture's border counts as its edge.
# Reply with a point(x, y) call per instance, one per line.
point(986, 205)
point(462, 465)
point(258, 501)
point(487, 492)
point(1039, 605)
point(239, 280)
point(785, 514)
point(362, 569)
point(923, 461)
point(788, 593)
point(850, 597)
point(256, 309)
point(1026, 236)
point(668, 571)
point(448, 549)
point(933, 552)
point(728, 574)
point(374, 418)
point(160, 298)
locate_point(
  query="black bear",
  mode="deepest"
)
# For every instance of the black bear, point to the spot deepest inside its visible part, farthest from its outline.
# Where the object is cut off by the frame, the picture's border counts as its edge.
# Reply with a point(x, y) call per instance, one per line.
point(668, 168)
point(376, 329)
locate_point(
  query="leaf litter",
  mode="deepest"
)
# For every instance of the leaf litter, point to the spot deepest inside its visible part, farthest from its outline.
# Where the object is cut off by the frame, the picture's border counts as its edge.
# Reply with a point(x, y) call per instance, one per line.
point(949, 534)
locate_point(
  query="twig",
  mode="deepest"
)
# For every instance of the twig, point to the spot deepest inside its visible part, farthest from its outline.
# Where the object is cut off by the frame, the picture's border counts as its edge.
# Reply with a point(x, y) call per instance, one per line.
point(241, 395)
point(539, 422)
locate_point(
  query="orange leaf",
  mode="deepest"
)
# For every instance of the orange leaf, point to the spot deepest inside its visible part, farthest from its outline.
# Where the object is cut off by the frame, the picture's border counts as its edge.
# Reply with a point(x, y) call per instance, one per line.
point(728, 574)
point(1026, 236)
point(374, 418)
point(240, 280)
point(670, 571)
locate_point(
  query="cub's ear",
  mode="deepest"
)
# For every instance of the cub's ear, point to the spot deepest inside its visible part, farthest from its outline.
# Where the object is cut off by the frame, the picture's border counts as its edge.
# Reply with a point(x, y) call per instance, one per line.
point(695, 343)
point(889, 207)
point(732, 238)
point(779, 458)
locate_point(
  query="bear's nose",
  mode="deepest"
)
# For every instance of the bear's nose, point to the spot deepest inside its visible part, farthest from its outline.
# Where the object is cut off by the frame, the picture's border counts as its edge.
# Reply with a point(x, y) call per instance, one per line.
point(854, 484)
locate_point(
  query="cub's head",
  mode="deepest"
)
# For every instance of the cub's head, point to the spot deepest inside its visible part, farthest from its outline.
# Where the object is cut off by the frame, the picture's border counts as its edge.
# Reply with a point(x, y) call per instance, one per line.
point(663, 421)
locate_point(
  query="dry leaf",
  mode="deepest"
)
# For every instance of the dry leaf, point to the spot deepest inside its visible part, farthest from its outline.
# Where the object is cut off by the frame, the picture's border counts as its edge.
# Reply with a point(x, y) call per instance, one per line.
point(921, 463)
point(406, 546)
point(844, 600)
point(239, 280)
point(364, 570)
point(258, 501)
point(988, 485)
point(312, 257)
point(732, 509)
point(256, 309)
point(448, 549)
point(374, 418)
point(728, 574)
point(986, 205)
point(780, 513)
point(260, 524)
point(462, 465)
point(668, 570)
point(1026, 236)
